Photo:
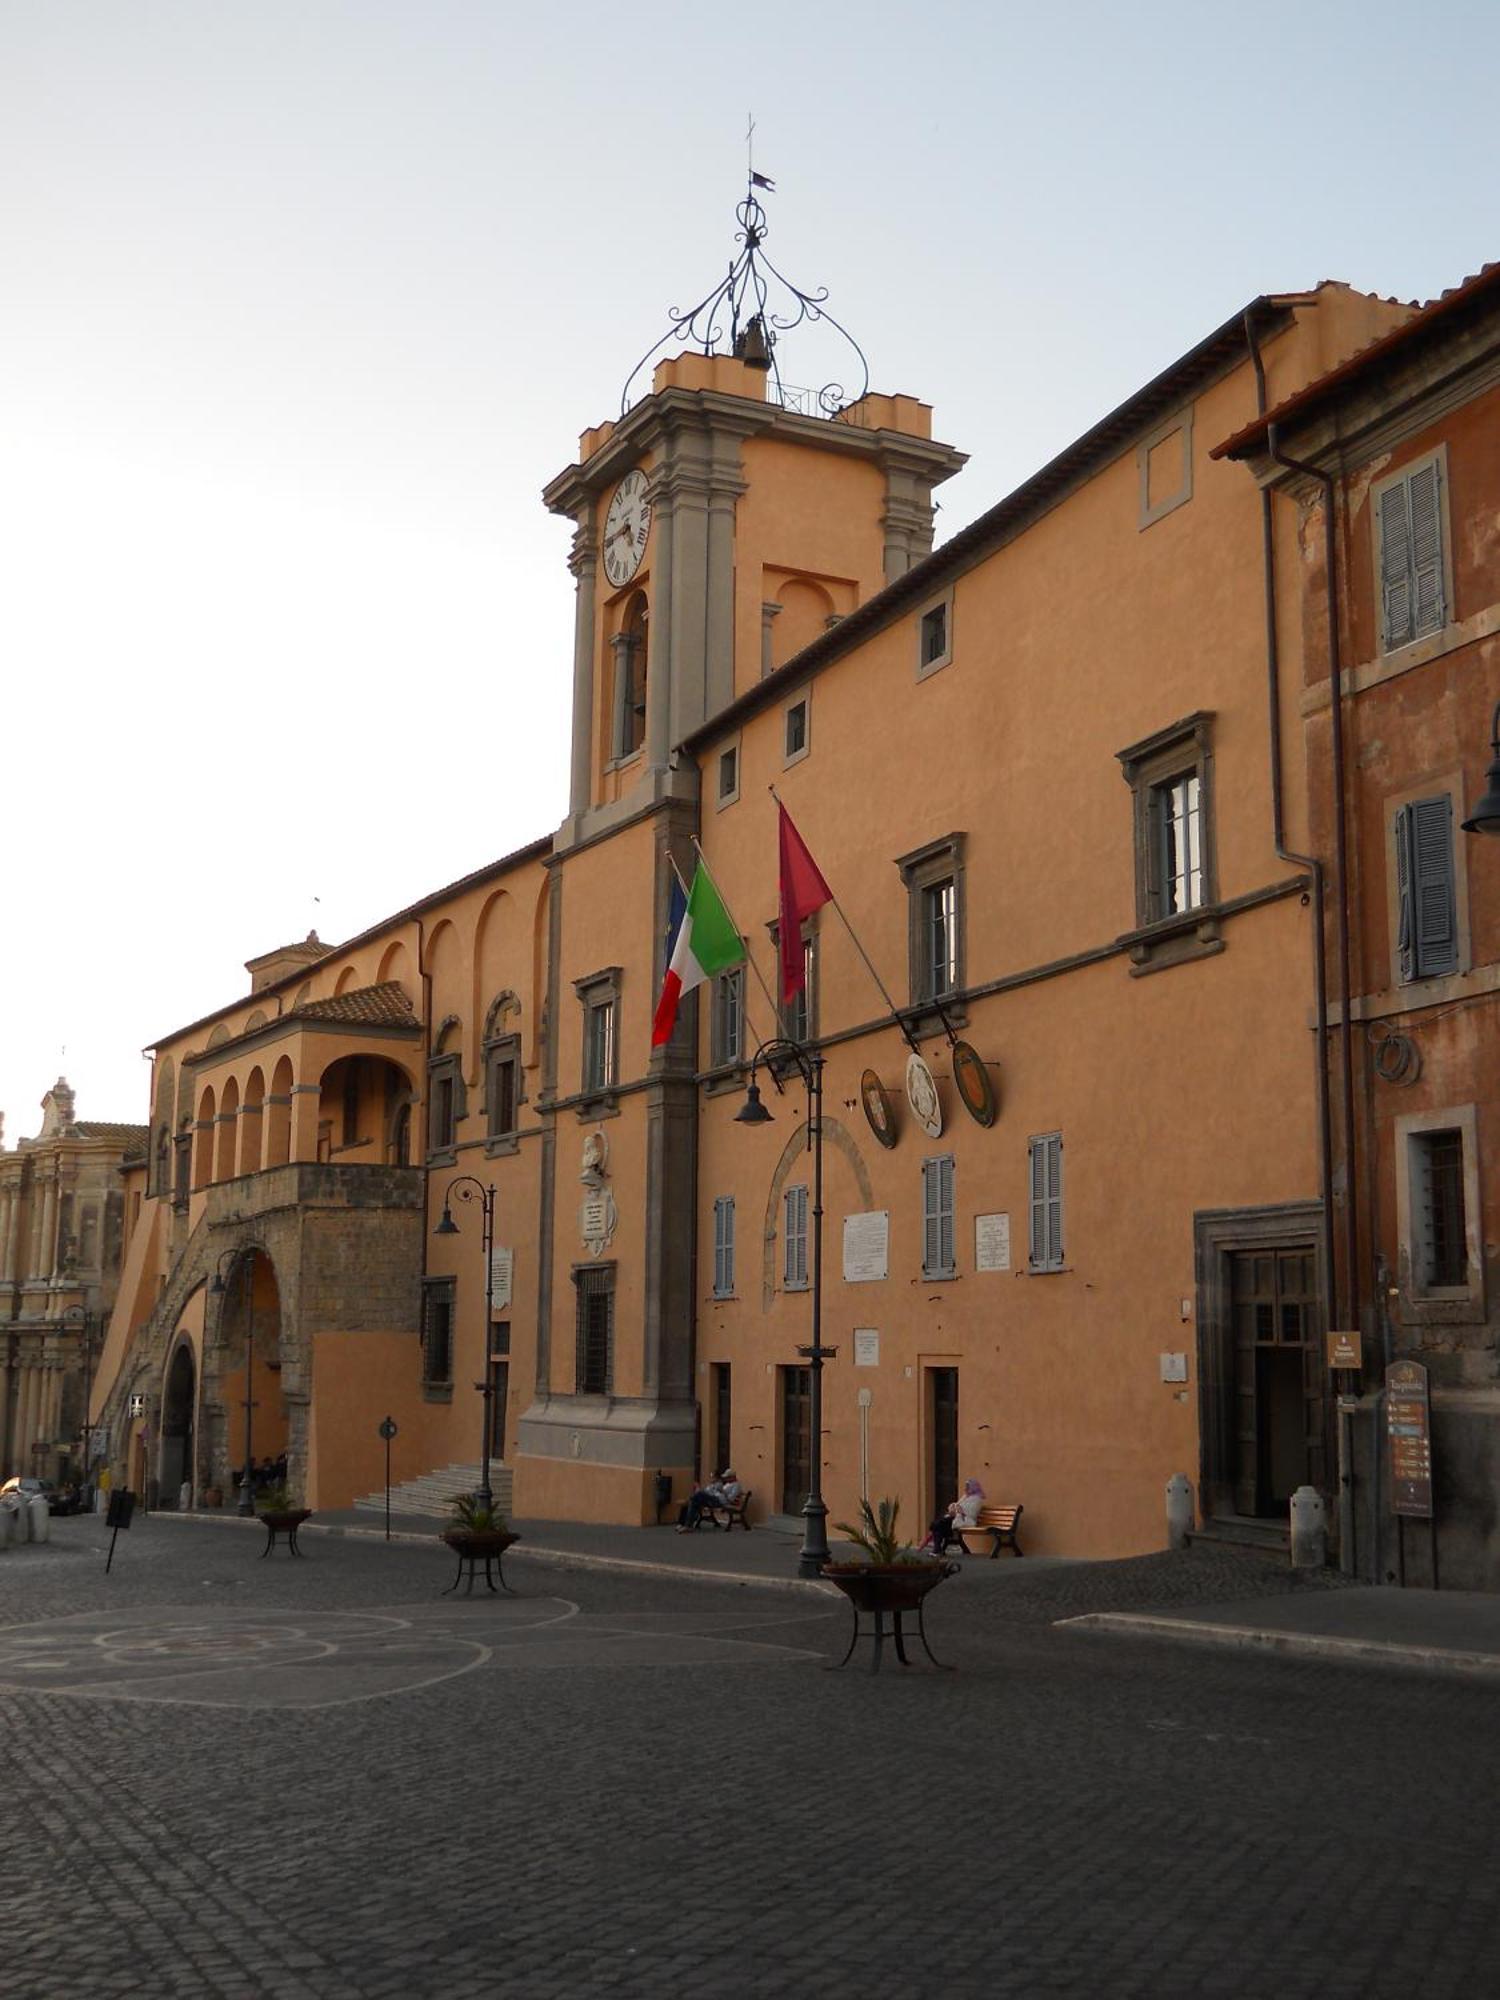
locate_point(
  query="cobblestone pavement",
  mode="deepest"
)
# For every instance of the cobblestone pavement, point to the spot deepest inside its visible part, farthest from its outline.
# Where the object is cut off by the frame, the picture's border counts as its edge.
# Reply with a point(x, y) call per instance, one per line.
point(316, 1779)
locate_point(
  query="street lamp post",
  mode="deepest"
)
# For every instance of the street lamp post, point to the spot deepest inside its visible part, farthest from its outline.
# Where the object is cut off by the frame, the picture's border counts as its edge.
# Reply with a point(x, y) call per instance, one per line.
point(246, 1268)
point(83, 1319)
point(467, 1188)
point(776, 1056)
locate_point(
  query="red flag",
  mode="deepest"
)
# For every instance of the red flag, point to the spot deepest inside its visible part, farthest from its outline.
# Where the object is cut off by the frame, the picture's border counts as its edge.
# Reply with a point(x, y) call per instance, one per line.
point(803, 890)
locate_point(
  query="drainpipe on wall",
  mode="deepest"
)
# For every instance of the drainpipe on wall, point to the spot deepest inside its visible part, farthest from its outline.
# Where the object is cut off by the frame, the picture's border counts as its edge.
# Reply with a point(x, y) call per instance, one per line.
point(1310, 862)
point(1341, 918)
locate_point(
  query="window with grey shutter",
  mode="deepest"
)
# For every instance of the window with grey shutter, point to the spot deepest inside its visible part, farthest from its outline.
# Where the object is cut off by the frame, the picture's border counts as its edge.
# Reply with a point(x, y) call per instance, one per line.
point(937, 1218)
point(724, 1247)
point(1409, 512)
point(1046, 1202)
point(1426, 892)
point(794, 1232)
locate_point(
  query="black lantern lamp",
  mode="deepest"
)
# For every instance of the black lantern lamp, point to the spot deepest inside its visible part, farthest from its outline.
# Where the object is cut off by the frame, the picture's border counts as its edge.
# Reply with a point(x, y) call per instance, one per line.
point(1485, 817)
point(467, 1188)
point(779, 1056)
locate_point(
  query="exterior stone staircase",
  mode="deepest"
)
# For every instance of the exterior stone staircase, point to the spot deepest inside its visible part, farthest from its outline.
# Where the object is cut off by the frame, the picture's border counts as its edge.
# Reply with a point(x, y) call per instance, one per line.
point(434, 1492)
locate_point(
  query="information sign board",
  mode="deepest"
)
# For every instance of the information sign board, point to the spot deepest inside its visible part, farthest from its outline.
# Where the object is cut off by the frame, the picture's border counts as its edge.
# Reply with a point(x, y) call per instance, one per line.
point(1408, 1426)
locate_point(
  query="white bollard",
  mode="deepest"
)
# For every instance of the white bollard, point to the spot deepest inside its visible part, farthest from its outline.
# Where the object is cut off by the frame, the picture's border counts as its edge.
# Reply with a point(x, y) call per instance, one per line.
point(1309, 1529)
point(41, 1518)
point(7, 1524)
point(1181, 1517)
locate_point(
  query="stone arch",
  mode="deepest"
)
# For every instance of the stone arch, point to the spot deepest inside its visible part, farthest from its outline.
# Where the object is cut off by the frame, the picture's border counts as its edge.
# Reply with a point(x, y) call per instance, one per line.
point(246, 1328)
point(836, 1135)
point(395, 963)
point(203, 1139)
point(806, 608)
point(251, 1120)
point(227, 1130)
point(503, 1016)
point(279, 1115)
point(179, 1423)
point(347, 978)
point(355, 1097)
point(449, 1036)
point(256, 1020)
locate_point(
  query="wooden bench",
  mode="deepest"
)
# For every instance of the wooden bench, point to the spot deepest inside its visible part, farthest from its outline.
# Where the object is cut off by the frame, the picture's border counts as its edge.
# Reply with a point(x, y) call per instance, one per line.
point(724, 1516)
point(999, 1523)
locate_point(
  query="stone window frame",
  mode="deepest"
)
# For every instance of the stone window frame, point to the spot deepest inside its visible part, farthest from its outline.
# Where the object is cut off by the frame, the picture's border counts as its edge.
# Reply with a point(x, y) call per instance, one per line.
point(503, 1052)
point(1450, 783)
point(724, 1246)
point(1183, 749)
point(804, 1031)
point(1437, 457)
point(597, 991)
point(923, 869)
point(789, 756)
point(593, 1281)
point(1439, 1305)
point(438, 1292)
point(720, 1055)
point(1180, 421)
point(940, 605)
point(729, 756)
point(443, 1069)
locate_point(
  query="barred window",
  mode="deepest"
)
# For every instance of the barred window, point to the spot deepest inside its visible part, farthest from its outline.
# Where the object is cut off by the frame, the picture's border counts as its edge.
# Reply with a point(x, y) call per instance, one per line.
point(595, 1365)
point(437, 1331)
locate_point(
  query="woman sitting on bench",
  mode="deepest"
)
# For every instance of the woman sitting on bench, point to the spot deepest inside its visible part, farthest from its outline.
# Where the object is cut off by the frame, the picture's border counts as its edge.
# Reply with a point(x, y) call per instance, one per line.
point(960, 1513)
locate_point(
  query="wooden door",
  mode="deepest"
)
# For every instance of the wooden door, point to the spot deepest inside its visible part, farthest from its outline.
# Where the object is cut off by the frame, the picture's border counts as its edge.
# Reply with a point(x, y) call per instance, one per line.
point(1278, 1376)
point(942, 1421)
point(796, 1438)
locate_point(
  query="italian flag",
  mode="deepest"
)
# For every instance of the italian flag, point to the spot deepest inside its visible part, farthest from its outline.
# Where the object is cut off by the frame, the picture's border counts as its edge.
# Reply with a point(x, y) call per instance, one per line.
point(706, 943)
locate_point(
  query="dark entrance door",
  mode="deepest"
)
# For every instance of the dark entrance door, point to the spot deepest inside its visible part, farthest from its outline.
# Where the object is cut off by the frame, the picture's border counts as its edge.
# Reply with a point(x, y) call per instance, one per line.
point(176, 1459)
point(1279, 1416)
point(942, 1412)
point(796, 1438)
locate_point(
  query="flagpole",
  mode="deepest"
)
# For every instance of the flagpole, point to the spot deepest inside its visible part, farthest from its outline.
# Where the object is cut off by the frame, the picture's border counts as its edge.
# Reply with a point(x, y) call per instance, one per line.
point(749, 960)
point(895, 1011)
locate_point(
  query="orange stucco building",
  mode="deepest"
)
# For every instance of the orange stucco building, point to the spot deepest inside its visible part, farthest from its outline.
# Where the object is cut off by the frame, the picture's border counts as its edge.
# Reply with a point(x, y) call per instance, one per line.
point(1039, 769)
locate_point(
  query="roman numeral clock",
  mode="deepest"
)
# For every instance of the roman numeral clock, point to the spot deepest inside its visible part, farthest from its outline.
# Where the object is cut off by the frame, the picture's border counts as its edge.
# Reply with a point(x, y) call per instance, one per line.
point(627, 523)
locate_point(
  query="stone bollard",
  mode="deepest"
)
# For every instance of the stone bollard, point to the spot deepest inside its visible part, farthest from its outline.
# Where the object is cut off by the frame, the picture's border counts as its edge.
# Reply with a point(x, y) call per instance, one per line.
point(1309, 1529)
point(8, 1524)
point(41, 1518)
point(1180, 1513)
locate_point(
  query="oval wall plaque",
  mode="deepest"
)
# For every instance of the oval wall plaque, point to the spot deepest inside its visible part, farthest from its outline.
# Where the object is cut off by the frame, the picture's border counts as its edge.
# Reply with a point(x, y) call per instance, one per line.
point(921, 1095)
point(877, 1109)
point(975, 1085)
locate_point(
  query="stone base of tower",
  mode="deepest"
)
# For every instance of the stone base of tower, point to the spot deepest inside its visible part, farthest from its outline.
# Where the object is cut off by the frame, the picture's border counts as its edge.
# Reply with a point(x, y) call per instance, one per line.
point(596, 1458)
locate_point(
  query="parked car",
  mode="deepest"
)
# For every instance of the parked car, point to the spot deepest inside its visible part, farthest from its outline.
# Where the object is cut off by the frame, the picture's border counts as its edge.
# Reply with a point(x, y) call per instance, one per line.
point(59, 1499)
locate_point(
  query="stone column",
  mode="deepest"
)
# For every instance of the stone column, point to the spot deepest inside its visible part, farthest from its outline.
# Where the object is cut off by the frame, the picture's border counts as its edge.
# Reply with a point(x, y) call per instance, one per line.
point(584, 563)
point(10, 1211)
point(306, 1098)
point(47, 1264)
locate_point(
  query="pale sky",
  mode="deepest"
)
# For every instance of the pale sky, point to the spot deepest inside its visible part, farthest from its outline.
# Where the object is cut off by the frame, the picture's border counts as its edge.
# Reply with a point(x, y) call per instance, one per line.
point(302, 301)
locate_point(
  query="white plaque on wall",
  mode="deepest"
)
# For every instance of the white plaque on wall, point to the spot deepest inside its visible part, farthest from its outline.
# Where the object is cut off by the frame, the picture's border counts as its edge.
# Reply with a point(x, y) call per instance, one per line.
point(992, 1243)
point(502, 1274)
point(866, 1347)
point(1174, 1368)
point(867, 1240)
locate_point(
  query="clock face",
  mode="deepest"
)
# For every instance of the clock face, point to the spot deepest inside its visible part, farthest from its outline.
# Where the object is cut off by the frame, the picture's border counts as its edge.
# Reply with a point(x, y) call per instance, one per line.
point(626, 526)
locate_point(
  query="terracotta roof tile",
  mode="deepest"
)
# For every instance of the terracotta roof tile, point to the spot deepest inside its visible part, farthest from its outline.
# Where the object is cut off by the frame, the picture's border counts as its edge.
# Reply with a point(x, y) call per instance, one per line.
point(93, 1128)
point(383, 1006)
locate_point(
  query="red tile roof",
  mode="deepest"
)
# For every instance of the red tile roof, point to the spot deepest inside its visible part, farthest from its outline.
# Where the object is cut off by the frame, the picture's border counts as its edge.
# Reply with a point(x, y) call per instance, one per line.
point(384, 1006)
point(1474, 291)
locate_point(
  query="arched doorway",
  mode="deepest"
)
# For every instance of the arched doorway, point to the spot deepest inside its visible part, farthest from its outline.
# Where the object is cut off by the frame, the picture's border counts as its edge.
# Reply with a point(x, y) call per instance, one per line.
point(247, 1329)
point(178, 1406)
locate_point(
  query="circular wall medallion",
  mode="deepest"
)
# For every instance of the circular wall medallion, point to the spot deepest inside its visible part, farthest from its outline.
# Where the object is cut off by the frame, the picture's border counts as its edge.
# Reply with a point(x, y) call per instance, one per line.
point(877, 1109)
point(975, 1086)
point(921, 1095)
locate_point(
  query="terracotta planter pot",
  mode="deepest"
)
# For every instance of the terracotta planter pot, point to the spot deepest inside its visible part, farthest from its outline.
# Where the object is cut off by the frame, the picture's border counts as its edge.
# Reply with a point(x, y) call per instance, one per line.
point(479, 1542)
point(886, 1587)
point(285, 1521)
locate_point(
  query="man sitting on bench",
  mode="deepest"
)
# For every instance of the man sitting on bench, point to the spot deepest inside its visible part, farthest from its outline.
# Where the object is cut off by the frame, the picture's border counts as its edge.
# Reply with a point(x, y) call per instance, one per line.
point(724, 1490)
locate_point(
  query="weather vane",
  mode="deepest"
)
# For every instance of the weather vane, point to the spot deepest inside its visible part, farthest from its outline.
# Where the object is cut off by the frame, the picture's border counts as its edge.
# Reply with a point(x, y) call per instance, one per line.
point(744, 316)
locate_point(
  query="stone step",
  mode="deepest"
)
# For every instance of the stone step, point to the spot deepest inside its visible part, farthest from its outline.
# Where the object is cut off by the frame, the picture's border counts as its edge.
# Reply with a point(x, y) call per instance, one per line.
point(1242, 1531)
point(432, 1493)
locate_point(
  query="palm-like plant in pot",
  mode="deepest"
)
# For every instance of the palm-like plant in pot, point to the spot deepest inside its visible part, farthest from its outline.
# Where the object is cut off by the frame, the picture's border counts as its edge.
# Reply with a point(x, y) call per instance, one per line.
point(889, 1574)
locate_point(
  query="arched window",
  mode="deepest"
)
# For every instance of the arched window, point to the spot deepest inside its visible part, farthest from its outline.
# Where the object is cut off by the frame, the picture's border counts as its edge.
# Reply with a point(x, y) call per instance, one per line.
point(629, 731)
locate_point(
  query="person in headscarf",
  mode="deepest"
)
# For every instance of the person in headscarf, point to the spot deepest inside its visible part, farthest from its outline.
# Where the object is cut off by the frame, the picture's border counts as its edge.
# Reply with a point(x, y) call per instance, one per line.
point(960, 1513)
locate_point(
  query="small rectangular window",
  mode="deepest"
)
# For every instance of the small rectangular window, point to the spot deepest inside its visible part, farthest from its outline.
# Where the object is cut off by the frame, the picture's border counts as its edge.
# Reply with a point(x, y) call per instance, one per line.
point(1412, 569)
point(794, 1234)
point(796, 730)
point(799, 1015)
point(937, 1218)
point(442, 1104)
point(934, 635)
point(729, 775)
point(437, 1331)
point(728, 1038)
point(724, 1247)
point(1176, 809)
point(599, 1046)
point(504, 1064)
point(595, 1360)
point(1425, 889)
point(1046, 1202)
point(940, 934)
point(1440, 1247)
